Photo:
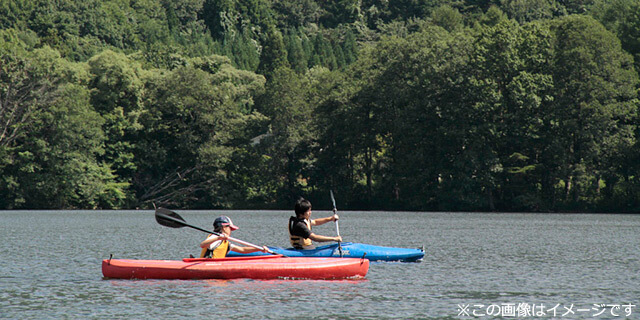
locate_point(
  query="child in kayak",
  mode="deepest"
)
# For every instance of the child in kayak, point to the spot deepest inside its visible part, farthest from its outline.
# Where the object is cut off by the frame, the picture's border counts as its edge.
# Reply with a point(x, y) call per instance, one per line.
point(300, 227)
point(217, 246)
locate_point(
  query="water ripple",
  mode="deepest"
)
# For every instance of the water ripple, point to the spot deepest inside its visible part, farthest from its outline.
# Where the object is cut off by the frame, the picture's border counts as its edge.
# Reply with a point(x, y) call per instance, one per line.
point(472, 258)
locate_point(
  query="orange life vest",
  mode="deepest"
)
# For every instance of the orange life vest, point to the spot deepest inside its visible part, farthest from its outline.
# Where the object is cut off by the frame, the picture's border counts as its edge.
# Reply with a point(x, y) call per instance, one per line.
point(218, 252)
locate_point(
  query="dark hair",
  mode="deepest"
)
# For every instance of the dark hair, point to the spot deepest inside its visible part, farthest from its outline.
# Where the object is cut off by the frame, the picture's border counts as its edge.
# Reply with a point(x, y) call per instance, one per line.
point(302, 206)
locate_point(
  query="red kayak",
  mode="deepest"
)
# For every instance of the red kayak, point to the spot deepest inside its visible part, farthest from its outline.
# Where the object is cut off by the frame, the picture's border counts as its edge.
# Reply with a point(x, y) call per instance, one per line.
point(260, 267)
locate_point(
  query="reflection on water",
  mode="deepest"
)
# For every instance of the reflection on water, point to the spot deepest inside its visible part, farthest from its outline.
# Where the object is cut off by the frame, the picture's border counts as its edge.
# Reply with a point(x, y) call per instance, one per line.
point(50, 266)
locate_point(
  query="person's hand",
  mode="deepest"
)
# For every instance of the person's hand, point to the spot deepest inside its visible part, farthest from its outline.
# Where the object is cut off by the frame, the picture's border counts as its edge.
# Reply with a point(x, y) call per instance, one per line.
point(338, 239)
point(335, 217)
point(265, 249)
point(223, 236)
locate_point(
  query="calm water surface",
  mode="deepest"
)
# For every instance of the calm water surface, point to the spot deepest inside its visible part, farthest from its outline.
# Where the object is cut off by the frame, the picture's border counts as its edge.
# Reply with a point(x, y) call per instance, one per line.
point(50, 267)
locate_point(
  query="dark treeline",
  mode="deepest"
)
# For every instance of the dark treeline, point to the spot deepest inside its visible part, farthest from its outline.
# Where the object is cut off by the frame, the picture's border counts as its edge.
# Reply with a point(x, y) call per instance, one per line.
point(496, 105)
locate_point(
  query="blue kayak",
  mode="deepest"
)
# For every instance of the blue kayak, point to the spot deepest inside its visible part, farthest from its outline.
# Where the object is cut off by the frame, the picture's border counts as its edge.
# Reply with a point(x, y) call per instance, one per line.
point(349, 250)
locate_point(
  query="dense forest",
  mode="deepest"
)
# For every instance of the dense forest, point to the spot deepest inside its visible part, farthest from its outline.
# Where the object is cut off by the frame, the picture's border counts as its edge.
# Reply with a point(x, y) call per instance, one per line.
point(485, 105)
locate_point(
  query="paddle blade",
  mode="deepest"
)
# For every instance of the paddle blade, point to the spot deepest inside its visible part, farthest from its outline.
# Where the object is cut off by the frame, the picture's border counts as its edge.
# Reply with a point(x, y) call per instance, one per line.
point(169, 218)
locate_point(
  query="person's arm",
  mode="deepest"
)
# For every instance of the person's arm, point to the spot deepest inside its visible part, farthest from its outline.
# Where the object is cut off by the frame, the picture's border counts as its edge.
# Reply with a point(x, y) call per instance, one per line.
point(248, 249)
point(211, 239)
point(319, 238)
point(321, 221)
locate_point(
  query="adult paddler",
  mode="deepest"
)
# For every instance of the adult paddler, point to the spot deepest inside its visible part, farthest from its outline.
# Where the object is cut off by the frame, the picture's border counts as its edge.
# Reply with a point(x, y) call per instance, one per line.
point(217, 246)
point(300, 233)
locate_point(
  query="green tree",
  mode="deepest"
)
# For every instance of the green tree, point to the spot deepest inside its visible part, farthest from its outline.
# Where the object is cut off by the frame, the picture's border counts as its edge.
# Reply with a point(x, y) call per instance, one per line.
point(594, 90)
point(622, 17)
point(152, 26)
point(15, 13)
point(511, 82)
point(338, 12)
point(343, 129)
point(447, 18)
point(291, 133)
point(529, 10)
point(297, 13)
point(66, 146)
point(222, 17)
point(117, 93)
point(50, 158)
point(198, 117)
point(274, 54)
point(350, 47)
point(425, 151)
point(322, 53)
point(339, 56)
point(295, 53)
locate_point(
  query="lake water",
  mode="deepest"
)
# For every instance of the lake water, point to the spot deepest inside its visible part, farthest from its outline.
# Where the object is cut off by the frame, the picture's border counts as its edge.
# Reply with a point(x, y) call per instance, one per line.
point(477, 266)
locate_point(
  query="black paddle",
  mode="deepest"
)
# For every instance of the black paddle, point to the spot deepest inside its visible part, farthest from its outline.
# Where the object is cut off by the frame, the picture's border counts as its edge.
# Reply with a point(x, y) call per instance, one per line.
point(337, 226)
point(171, 219)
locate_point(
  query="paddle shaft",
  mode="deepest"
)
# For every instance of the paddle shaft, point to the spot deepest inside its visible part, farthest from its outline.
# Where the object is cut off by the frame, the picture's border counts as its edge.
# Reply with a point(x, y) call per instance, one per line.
point(337, 226)
point(216, 233)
